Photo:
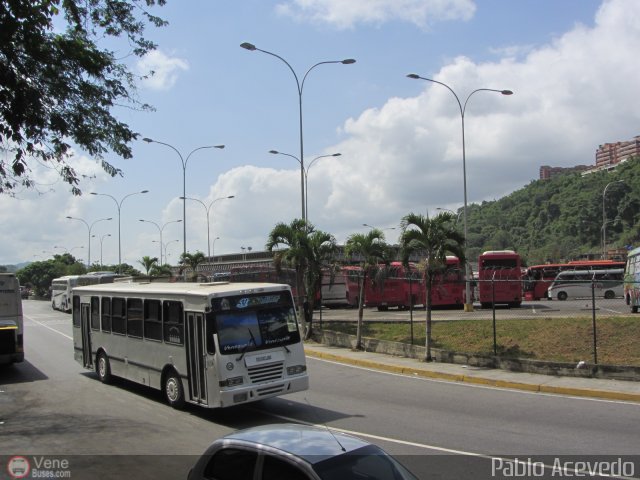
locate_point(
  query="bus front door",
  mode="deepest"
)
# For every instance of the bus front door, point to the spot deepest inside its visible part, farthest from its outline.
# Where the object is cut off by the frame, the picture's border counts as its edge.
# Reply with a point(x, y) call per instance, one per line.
point(196, 357)
point(87, 359)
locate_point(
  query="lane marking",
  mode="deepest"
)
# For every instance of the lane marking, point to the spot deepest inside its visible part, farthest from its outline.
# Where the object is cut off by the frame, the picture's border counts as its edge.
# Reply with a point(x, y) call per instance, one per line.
point(47, 326)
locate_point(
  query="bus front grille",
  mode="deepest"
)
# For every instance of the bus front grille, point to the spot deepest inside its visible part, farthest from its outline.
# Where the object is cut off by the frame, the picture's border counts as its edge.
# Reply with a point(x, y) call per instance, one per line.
point(271, 390)
point(266, 373)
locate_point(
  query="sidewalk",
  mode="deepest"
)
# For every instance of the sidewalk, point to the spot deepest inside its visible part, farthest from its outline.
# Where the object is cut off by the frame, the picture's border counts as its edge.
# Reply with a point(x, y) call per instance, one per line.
point(580, 387)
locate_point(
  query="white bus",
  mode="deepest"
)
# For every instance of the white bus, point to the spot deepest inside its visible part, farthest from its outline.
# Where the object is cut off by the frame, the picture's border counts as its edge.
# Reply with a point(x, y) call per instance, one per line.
point(61, 292)
point(11, 324)
point(607, 283)
point(61, 288)
point(212, 344)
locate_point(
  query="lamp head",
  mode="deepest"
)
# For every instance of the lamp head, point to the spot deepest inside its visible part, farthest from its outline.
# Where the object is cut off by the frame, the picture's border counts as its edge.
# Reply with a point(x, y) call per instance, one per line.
point(231, 196)
point(147, 139)
point(69, 217)
point(336, 155)
point(506, 92)
point(348, 61)
point(218, 146)
point(248, 46)
point(144, 191)
point(274, 151)
point(414, 76)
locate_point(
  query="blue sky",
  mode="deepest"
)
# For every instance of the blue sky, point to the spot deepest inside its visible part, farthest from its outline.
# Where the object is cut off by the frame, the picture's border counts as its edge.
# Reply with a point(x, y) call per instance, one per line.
point(571, 65)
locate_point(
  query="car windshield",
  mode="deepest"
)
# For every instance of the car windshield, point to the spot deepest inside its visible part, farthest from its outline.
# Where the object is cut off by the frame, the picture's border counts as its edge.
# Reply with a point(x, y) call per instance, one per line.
point(368, 462)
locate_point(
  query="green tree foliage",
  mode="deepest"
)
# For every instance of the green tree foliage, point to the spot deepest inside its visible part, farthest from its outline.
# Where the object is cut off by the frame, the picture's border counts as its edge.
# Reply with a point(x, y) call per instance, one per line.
point(191, 262)
point(433, 239)
point(38, 275)
point(148, 263)
point(307, 251)
point(57, 85)
point(372, 250)
point(560, 218)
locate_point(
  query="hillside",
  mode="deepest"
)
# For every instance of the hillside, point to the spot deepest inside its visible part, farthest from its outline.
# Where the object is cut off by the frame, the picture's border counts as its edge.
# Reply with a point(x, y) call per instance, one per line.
point(561, 218)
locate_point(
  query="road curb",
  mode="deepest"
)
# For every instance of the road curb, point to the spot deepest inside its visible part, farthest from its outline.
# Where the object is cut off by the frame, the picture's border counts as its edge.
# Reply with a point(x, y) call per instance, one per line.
point(451, 377)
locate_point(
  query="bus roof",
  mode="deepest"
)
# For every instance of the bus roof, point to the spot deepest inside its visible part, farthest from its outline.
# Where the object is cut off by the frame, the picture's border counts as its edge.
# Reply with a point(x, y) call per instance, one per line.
point(499, 252)
point(195, 289)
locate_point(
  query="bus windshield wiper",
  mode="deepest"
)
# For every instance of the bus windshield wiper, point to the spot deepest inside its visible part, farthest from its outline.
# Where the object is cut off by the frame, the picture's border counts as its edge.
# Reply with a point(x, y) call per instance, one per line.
point(246, 347)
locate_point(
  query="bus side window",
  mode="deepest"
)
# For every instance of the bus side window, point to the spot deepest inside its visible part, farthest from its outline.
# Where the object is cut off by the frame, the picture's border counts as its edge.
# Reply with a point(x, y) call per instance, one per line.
point(76, 311)
point(152, 320)
point(134, 317)
point(106, 314)
point(95, 313)
point(118, 316)
point(172, 322)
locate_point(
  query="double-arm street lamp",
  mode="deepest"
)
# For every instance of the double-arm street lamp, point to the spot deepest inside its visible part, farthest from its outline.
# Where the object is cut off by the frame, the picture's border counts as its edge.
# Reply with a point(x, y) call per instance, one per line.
point(184, 161)
point(457, 214)
point(207, 210)
point(160, 230)
point(102, 240)
point(468, 306)
point(119, 206)
point(300, 85)
point(604, 218)
point(376, 228)
point(89, 227)
point(305, 171)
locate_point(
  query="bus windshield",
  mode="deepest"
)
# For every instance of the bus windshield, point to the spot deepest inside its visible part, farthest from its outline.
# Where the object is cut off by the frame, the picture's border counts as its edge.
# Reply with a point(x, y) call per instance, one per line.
point(246, 330)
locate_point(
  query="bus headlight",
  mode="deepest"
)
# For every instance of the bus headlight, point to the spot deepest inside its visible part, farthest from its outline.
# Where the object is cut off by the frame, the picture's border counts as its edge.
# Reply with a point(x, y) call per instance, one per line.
point(231, 382)
point(296, 369)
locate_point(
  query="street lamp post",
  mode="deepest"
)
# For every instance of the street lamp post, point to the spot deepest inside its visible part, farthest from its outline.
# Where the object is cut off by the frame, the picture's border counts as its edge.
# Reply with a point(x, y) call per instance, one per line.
point(119, 206)
point(184, 161)
point(300, 85)
point(89, 227)
point(306, 174)
point(604, 218)
point(207, 210)
point(102, 240)
point(160, 230)
point(213, 247)
point(468, 306)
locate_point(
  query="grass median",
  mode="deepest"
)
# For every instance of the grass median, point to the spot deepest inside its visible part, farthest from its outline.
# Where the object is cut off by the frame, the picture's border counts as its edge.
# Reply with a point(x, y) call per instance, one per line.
point(551, 339)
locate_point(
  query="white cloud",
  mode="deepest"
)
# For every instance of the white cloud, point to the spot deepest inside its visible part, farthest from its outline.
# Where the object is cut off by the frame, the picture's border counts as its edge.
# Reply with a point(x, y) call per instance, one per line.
point(165, 70)
point(346, 14)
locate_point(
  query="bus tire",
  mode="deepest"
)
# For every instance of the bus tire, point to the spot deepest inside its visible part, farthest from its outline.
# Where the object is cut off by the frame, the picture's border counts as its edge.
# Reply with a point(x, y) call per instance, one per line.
point(173, 391)
point(609, 294)
point(103, 368)
point(562, 296)
point(634, 309)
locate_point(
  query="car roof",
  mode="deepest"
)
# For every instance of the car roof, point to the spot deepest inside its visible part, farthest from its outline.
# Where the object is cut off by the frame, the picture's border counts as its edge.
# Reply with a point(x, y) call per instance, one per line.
point(313, 444)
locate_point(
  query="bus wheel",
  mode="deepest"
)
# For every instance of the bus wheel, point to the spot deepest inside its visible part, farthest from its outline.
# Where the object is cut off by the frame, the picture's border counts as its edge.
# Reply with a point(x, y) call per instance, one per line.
point(609, 294)
point(173, 390)
point(103, 368)
point(562, 296)
point(634, 309)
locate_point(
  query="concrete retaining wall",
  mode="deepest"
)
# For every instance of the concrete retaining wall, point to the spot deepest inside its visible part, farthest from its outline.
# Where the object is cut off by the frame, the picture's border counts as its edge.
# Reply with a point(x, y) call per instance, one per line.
point(614, 372)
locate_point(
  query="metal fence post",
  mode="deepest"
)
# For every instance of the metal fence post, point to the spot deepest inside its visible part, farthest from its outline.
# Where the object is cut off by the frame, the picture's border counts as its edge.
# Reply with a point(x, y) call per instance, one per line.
point(493, 309)
point(593, 315)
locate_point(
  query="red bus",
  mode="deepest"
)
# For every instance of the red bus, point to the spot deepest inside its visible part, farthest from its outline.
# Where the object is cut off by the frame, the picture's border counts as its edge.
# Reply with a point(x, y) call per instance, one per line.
point(400, 286)
point(343, 289)
point(538, 278)
point(448, 289)
point(397, 287)
point(500, 278)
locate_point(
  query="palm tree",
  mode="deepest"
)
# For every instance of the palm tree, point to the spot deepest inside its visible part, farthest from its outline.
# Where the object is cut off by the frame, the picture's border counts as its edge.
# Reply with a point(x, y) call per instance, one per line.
point(307, 251)
point(148, 263)
point(191, 261)
point(432, 238)
point(373, 250)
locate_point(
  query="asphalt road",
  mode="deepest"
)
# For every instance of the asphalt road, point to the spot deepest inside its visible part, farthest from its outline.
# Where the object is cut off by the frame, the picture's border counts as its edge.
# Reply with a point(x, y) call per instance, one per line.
point(50, 406)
